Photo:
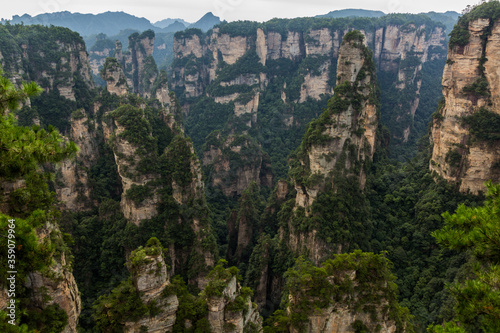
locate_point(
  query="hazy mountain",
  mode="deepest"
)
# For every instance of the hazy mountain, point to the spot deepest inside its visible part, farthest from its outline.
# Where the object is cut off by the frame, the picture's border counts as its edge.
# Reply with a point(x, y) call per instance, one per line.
point(110, 23)
point(448, 18)
point(353, 13)
point(174, 27)
point(206, 22)
point(169, 21)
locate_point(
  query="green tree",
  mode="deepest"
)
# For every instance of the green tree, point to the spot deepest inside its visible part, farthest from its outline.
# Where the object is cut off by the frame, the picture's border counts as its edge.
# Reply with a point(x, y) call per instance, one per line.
point(476, 230)
point(22, 152)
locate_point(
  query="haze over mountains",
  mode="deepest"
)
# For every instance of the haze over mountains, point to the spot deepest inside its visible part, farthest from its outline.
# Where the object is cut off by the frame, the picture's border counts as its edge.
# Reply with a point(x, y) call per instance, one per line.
point(110, 23)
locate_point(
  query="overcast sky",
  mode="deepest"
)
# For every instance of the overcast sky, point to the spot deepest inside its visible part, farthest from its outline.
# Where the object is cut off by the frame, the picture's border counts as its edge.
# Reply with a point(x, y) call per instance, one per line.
point(230, 10)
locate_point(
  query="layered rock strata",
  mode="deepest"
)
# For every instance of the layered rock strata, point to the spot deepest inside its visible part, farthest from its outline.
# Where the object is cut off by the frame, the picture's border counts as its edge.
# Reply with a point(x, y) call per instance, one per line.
point(464, 131)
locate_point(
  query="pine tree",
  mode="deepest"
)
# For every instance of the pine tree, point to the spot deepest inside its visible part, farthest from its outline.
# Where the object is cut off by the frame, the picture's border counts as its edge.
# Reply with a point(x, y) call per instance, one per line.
point(476, 230)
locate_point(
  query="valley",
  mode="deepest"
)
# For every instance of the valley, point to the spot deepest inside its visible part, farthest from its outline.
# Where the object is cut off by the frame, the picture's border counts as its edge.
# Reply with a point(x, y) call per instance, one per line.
point(292, 175)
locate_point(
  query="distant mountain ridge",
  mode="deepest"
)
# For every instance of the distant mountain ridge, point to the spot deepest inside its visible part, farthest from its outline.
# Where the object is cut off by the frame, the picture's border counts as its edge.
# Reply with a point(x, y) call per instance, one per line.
point(353, 13)
point(206, 22)
point(110, 23)
point(448, 18)
point(169, 21)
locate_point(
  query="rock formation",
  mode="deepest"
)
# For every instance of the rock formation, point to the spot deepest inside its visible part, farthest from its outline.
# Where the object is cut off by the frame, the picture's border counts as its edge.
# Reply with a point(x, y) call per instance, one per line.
point(400, 51)
point(343, 296)
point(229, 305)
point(57, 285)
point(150, 278)
point(241, 66)
point(72, 179)
point(112, 73)
point(59, 63)
point(235, 162)
point(138, 63)
point(102, 49)
point(130, 152)
point(465, 128)
point(339, 145)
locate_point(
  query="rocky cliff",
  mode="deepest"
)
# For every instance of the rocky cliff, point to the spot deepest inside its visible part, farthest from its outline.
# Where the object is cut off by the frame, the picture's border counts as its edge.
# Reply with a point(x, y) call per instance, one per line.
point(230, 308)
point(131, 142)
point(150, 279)
point(72, 177)
point(274, 75)
point(235, 162)
point(465, 128)
point(112, 73)
point(161, 179)
point(338, 146)
point(102, 49)
point(57, 285)
point(200, 59)
point(156, 304)
point(53, 57)
point(138, 63)
point(45, 288)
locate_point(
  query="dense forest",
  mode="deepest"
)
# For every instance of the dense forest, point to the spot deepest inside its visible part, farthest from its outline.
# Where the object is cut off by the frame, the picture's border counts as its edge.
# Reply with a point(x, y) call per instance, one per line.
point(229, 195)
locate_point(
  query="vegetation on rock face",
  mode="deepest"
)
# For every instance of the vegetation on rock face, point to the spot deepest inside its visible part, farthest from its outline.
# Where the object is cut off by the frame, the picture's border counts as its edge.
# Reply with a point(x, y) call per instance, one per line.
point(334, 214)
point(484, 10)
point(122, 304)
point(484, 125)
point(475, 230)
point(360, 282)
point(397, 212)
point(31, 205)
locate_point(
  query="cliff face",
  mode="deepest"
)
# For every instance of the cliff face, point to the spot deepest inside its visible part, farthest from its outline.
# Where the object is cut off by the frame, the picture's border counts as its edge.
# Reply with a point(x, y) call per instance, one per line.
point(464, 133)
point(392, 45)
point(99, 53)
point(150, 278)
point(339, 145)
point(128, 156)
point(72, 178)
point(112, 73)
point(248, 67)
point(47, 283)
point(235, 162)
point(138, 63)
point(56, 56)
point(230, 308)
point(224, 305)
point(233, 311)
point(58, 284)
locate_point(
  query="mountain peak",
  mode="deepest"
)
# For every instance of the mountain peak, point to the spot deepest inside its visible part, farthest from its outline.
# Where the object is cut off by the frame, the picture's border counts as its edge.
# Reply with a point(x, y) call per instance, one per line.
point(206, 22)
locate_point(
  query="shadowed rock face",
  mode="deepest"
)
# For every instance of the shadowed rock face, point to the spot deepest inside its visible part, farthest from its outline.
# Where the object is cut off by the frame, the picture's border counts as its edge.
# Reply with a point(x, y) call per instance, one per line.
point(465, 149)
point(236, 162)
